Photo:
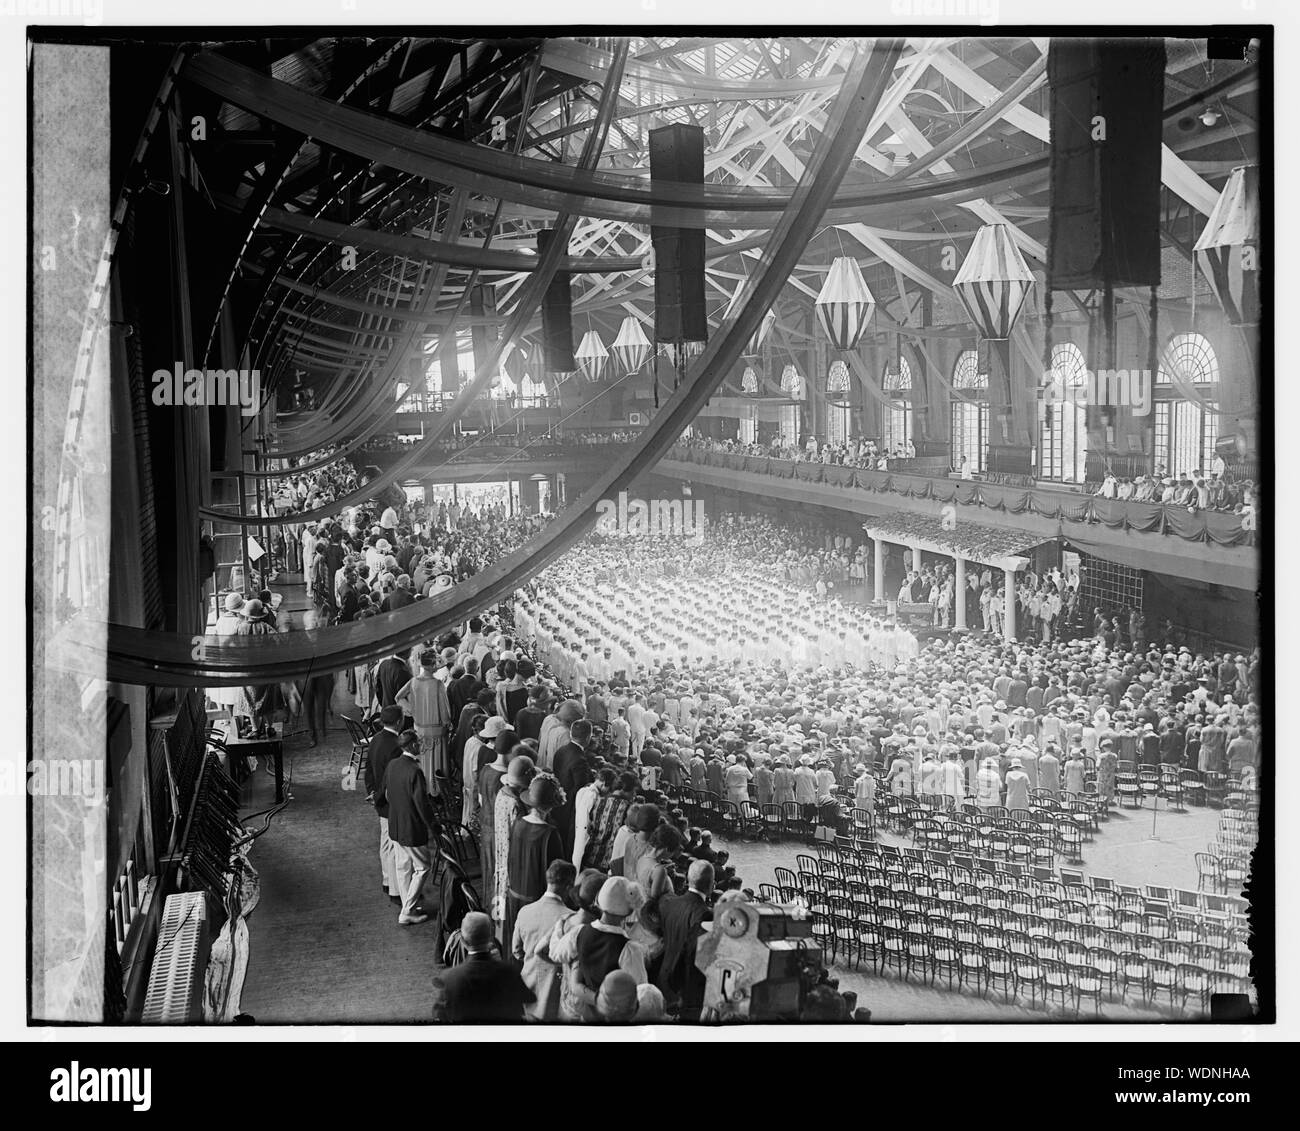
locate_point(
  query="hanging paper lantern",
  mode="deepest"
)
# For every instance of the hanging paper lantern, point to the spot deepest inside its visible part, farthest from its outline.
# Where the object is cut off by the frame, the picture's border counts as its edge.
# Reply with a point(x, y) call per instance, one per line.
point(749, 381)
point(837, 380)
point(592, 355)
point(631, 347)
point(680, 353)
point(792, 383)
point(1229, 246)
point(754, 346)
point(844, 304)
point(515, 363)
point(993, 282)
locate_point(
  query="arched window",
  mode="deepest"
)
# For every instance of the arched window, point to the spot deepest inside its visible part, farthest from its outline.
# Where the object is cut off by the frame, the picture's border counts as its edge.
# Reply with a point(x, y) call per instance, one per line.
point(748, 431)
point(788, 424)
point(970, 416)
point(1062, 419)
point(504, 388)
point(1186, 403)
point(429, 399)
point(896, 427)
point(532, 394)
point(839, 412)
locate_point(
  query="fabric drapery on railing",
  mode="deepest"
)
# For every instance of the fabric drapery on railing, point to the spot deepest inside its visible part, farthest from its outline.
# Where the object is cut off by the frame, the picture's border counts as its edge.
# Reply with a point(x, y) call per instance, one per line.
point(1218, 527)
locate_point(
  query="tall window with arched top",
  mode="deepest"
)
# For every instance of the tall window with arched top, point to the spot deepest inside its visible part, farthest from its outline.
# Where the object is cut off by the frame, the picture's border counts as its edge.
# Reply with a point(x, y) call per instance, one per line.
point(428, 399)
point(839, 412)
point(504, 388)
point(1063, 417)
point(896, 423)
point(748, 430)
point(1186, 406)
point(532, 394)
point(970, 413)
point(788, 424)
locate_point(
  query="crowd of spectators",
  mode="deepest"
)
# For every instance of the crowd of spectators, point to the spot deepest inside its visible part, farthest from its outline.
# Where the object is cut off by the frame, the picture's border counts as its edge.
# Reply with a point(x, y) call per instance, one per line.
point(862, 453)
point(1195, 490)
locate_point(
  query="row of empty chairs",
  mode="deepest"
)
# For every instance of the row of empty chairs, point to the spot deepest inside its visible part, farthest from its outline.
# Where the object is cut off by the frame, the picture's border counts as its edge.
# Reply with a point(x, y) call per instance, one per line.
point(933, 914)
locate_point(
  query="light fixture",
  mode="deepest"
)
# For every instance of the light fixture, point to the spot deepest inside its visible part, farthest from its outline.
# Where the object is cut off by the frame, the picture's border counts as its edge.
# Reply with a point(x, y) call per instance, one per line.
point(1209, 117)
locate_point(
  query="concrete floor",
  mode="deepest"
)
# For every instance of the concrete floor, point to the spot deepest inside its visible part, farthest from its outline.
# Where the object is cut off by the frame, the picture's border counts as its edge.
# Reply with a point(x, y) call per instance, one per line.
point(324, 942)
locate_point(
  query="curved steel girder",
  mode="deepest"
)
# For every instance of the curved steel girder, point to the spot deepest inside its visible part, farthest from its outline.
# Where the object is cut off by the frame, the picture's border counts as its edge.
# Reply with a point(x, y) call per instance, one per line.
point(384, 417)
point(529, 300)
point(424, 116)
point(138, 656)
point(530, 181)
point(270, 183)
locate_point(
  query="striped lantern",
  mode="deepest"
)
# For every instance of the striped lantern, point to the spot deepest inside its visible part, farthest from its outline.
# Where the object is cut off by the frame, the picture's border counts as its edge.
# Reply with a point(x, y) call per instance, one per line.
point(754, 346)
point(631, 347)
point(592, 355)
point(679, 353)
point(845, 304)
point(515, 364)
point(993, 282)
point(792, 383)
point(749, 381)
point(1228, 246)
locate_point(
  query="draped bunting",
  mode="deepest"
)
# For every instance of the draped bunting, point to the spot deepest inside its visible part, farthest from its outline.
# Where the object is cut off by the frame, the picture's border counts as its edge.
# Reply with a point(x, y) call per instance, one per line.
point(631, 347)
point(1220, 528)
point(993, 282)
point(844, 304)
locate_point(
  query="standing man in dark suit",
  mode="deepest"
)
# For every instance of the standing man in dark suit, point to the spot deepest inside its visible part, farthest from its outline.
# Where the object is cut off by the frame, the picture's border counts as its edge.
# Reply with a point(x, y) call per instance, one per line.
point(390, 677)
point(483, 988)
point(465, 688)
point(410, 824)
point(528, 720)
point(679, 980)
point(382, 750)
point(573, 771)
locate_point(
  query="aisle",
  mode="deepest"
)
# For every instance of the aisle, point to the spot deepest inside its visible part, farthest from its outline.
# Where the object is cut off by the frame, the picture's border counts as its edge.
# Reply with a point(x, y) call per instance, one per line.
point(324, 944)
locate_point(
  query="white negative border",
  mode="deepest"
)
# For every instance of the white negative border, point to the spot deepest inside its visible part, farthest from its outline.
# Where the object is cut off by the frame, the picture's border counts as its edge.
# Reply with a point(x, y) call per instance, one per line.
point(16, 14)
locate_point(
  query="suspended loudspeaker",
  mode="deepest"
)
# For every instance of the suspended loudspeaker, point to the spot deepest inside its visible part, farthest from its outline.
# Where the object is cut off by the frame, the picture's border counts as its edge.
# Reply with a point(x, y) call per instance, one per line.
point(677, 154)
point(557, 317)
point(1107, 103)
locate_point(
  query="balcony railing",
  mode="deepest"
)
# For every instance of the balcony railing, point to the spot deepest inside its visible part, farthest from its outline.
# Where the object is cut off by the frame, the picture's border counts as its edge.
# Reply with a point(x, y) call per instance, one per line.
point(1218, 527)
